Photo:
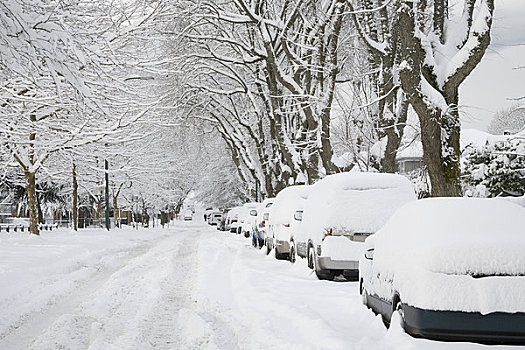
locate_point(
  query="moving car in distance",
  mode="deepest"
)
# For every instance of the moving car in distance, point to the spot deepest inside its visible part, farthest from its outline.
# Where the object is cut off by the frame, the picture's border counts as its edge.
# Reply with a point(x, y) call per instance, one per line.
point(453, 269)
point(340, 212)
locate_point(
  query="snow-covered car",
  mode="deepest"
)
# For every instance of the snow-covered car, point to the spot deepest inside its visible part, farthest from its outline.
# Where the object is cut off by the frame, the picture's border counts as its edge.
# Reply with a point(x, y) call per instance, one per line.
point(214, 218)
point(232, 219)
point(454, 268)
point(261, 223)
point(340, 212)
point(285, 220)
point(188, 215)
point(247, 218)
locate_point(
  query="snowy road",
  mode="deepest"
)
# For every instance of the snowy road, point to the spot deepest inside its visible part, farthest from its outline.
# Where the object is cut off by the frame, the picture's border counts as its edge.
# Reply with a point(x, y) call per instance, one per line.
point(187, 287)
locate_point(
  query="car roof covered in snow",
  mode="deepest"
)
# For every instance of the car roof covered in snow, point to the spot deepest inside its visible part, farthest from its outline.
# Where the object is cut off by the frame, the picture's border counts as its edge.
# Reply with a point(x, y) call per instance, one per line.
point(360, 202)
point(455, 235)
point(287, 202)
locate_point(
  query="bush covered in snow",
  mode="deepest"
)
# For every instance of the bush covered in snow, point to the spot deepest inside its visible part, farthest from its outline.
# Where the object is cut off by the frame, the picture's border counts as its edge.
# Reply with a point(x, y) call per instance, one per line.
point(496, 168)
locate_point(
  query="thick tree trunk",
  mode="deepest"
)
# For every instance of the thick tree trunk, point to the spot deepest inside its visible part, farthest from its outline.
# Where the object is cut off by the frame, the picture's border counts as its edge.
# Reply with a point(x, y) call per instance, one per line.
point(443, 166)
point(439, 128)
point(32, 202)
point(75, 198)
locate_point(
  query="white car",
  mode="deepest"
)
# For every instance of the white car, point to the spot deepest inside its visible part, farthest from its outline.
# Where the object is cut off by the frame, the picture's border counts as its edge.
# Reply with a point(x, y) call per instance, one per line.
point(214, 217)
point(454, 268)
point(188, 215)
point(285, 220)
point(232, 219)
point(340, 212)
point(247, 218)
point(261, 224)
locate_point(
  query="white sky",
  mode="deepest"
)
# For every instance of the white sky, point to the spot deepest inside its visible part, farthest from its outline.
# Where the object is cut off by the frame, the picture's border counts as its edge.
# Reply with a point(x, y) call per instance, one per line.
point(494, 81)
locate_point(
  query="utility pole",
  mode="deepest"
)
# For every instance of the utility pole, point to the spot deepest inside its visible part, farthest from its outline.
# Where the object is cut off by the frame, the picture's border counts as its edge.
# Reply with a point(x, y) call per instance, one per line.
point(106, 167)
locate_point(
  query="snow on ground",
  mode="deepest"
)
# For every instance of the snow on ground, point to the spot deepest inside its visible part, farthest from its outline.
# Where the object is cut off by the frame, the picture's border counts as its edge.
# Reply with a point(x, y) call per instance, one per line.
point(186, 287)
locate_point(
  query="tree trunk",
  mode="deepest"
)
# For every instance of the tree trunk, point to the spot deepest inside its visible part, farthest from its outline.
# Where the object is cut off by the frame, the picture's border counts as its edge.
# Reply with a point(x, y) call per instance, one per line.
point(32, 202)
point(115, 209)
point(439, 128)
point(394, 133)
point(75, 198)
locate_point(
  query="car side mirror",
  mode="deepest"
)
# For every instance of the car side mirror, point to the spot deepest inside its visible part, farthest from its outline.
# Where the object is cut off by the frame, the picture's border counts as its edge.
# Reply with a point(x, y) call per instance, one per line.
point(298, 215)
point(253, 212)
point(369, 254)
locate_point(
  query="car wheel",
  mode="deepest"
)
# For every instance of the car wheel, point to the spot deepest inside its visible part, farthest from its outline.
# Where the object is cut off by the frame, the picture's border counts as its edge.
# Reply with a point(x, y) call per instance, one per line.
point(311, 257)
point(401, 312)
point(312, 263)
point(292, 252)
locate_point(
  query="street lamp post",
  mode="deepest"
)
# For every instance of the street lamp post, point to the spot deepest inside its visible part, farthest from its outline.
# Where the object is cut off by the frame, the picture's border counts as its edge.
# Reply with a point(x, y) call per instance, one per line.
point(106, 167)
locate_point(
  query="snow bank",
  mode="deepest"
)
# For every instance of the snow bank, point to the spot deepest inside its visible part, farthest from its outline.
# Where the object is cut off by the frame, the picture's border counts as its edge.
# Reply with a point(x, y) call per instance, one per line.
point(432, 248)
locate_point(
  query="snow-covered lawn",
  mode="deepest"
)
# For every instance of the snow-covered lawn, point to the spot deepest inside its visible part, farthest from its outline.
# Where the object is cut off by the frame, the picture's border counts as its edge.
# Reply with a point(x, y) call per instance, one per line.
point(186, 287)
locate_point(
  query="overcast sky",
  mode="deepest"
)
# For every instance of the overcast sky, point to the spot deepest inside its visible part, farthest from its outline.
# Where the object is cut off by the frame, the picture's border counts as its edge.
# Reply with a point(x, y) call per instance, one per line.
point(495, 80)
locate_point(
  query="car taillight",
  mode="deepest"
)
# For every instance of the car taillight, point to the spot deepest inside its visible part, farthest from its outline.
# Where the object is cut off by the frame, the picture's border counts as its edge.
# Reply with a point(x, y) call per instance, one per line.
point(286, 225)
point(234, 221)
point(263, 223)
point(327, 232)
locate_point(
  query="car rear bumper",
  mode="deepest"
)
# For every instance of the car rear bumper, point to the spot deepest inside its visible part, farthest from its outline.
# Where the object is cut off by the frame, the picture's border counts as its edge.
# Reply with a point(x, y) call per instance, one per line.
point(282, 246)
point(493, 328)
point(326, 263)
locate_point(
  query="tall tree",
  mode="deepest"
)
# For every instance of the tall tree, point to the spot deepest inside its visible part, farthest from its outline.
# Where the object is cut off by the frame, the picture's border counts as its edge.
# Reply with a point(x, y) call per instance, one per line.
point(440, 44)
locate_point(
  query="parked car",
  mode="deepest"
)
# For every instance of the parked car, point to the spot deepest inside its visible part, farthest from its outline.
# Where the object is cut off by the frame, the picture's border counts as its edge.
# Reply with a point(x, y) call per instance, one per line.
point(247, 218)
point(285, 220)
point(340, 212)
point(214, 217)
point(232, 219)
point(454, 269)
point(261, 224)
point(222, 223)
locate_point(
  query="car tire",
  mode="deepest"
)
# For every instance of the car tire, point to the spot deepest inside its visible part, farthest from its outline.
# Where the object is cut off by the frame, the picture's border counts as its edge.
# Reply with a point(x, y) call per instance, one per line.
point(292, 256)
point(311, 257)
point(312, 263)
point(399, 309)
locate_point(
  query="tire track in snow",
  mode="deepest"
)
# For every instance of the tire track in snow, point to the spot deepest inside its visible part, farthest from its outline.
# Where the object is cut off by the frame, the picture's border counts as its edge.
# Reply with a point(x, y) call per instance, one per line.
point(177, 321)
point(147, 303)
point(20, 334)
